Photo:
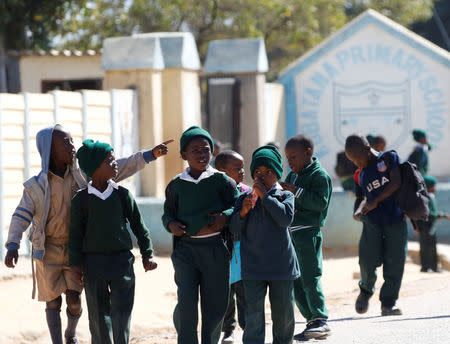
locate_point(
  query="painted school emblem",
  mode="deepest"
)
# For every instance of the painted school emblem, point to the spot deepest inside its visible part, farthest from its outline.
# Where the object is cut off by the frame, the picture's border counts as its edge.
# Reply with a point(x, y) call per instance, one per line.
point(372, 107)
point(381, 166)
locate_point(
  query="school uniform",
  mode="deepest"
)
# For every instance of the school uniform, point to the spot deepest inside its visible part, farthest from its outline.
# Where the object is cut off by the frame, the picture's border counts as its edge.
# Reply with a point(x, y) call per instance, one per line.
point(268, 261)
point(101, 244)
point(419, 156)
point(384, 236)
point(237, 295)
point(201, 264)
point(427, 237)
point(312, 199)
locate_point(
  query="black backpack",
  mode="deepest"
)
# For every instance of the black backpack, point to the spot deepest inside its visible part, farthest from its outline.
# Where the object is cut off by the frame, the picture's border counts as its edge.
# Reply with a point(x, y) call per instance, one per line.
point(412, 196)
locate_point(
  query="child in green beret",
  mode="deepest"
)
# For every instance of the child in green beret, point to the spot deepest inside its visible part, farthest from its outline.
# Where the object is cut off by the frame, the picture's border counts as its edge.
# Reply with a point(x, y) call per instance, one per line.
point(100, 244)
point(419, 156)
point(268, 257)
point(198, 203)
point(312, 188)
point(427, 230)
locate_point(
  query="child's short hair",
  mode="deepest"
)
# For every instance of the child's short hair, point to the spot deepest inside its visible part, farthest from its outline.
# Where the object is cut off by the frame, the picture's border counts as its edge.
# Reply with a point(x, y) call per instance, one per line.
point(300, 140)
point(356, 142)
point(223, 158)
point(378, 140)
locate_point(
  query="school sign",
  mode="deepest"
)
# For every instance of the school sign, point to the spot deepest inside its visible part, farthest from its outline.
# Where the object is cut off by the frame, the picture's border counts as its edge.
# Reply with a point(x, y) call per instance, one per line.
point(373, 76)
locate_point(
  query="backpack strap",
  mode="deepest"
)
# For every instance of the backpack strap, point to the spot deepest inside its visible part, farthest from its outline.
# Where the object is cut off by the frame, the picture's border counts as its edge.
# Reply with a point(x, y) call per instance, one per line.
point(387, 162)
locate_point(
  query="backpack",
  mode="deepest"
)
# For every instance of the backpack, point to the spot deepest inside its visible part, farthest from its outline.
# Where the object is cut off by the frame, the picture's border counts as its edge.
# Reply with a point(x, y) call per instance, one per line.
point(412, 196)
point(85, 201)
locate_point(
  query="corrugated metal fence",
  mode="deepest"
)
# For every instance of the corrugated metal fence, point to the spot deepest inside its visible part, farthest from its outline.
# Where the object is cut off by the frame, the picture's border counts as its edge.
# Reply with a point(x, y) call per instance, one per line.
point(109, 116)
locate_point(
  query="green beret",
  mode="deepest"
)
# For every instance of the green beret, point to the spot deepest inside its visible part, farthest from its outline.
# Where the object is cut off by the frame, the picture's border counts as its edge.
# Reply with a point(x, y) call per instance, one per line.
point(371, 139)
point(193, 132)
point(91, 155)
point(430, 181)
point(267, 156)
point(418, 134)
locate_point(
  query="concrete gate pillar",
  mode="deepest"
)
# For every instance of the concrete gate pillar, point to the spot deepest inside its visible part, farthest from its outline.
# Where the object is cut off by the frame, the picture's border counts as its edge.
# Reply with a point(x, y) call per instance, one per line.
point(180, 93)
point(136, 62)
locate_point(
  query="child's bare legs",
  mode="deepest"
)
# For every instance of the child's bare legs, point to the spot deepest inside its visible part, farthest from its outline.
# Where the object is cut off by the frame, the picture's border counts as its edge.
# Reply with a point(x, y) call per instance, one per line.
point(73, 311)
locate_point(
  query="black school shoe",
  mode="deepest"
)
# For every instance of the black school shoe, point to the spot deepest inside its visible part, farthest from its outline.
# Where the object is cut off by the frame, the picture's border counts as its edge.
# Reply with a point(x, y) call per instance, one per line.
point(317, 328)
point(72, 340)
point(362, 303)
point(386, 311)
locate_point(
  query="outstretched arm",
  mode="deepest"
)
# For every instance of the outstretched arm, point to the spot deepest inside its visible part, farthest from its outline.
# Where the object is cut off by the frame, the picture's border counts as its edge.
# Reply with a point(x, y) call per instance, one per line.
point(137, 161)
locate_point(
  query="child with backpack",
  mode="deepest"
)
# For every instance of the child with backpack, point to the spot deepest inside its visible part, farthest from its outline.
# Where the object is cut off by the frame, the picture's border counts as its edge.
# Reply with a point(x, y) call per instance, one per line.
point(100, 244)
point(384, 236)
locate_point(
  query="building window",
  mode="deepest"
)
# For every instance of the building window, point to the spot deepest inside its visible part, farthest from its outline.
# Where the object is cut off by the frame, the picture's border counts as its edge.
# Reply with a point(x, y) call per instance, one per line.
point(71, 85)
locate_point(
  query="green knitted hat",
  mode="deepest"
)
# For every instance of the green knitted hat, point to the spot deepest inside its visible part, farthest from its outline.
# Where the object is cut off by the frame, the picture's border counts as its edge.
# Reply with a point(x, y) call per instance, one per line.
point(418, 134)
point(371, 139)
point(91, 155)
point(193, 132)
point(267, 156)
point(430, 181)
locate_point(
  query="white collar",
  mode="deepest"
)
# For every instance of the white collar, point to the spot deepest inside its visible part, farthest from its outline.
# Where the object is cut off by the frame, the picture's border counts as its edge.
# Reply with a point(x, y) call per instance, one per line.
point(105, 194)
point(424, 147)
point(277, 186)
point(206, 174)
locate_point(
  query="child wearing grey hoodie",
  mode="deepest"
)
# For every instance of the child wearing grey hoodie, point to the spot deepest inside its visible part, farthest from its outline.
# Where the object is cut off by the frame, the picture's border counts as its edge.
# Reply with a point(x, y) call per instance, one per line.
point(45, 204)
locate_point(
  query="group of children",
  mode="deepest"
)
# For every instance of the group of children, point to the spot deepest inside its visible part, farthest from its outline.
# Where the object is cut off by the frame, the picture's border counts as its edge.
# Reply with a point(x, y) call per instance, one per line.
point(272, 229)
point(228, 239)
point(79, 238)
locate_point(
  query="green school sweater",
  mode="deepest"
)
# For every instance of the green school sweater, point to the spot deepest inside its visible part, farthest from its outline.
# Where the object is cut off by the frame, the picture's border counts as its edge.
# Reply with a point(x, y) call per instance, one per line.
point(106, 230)
point(313, 198)
point(190, 202)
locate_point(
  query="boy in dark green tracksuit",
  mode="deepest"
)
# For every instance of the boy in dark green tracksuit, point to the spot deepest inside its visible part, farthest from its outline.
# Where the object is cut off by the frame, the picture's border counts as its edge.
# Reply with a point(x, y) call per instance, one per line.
point(197, 206)
point(267, 254)
point(427, 230)
point(384, 237)
point(312, 187)
point(99, 245)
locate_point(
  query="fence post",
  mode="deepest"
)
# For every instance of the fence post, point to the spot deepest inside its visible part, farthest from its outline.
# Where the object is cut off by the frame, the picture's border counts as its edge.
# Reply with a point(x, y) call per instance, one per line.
point(55, 106)
point(114, 138)
point(2, 198)
point(26, 136)
point(84, 114)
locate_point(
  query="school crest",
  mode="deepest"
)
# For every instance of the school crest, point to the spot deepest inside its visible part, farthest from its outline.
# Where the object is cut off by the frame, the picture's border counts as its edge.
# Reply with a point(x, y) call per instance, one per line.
point(381, 166)
point(372, 107)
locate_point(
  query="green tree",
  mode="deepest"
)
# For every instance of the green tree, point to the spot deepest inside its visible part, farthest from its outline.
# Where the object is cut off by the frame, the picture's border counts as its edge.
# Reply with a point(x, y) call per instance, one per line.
point(437, 28)
point(289, 27)
point(401, 11)
point(28, 24)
